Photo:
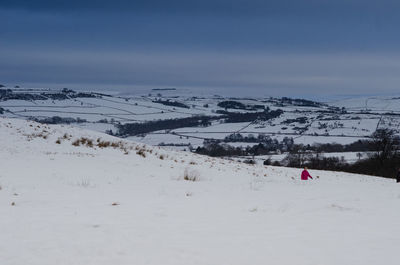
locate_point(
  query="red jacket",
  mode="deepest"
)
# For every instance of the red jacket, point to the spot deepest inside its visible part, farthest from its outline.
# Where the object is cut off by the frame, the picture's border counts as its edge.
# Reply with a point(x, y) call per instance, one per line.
point(305, 175)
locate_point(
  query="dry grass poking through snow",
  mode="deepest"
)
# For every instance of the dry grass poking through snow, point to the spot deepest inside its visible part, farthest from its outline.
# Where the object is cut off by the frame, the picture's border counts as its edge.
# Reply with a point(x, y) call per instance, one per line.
point(191, 174)
point(141, 152)
point(125, 147)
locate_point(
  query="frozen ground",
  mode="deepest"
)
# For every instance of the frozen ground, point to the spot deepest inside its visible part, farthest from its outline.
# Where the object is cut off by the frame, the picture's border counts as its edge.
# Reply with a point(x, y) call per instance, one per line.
point(65, 204)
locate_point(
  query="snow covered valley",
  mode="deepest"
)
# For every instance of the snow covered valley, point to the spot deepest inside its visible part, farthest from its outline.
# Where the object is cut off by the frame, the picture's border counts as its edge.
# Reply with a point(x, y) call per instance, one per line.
point(73, 196)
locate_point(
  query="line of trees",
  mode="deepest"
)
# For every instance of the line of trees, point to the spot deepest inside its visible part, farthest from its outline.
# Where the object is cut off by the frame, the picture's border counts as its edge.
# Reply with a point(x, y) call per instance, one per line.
point(8, 94)
point(58, 120)
point(266, 146)
point(130, 129)
point(383, 160)
point(383, 150)
point(172, 103)
point(231, 104)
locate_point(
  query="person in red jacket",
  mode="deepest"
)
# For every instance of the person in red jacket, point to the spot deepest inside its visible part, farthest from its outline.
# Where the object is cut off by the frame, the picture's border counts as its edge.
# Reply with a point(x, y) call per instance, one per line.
point(305, 175)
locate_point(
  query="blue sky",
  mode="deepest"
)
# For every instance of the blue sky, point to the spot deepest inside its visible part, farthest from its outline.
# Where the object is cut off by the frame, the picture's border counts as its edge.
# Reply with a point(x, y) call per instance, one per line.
point(279, 48)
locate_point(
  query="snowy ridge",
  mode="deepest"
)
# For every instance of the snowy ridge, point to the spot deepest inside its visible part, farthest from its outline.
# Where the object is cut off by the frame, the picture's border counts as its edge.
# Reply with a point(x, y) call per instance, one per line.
point(131, 204)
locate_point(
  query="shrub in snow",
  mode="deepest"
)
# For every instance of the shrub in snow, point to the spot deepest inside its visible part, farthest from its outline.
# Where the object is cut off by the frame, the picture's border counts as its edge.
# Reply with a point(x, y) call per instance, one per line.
point(99, 143)
point(141, 152)
point(249, 161)
point(103, 144)
point(116, 144)
point(191, 175)
point(89, 142)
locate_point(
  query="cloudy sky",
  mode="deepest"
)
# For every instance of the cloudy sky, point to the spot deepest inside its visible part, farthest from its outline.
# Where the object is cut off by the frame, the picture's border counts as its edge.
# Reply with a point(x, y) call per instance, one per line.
point(280, 47)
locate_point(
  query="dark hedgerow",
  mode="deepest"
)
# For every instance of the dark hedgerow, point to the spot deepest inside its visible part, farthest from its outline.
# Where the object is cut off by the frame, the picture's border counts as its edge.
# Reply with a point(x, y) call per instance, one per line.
point(131, 129)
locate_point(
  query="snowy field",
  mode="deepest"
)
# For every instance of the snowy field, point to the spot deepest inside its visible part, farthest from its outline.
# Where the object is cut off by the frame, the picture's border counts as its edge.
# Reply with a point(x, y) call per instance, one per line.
point(379, 104)
point(65, 204)
point(319, 123)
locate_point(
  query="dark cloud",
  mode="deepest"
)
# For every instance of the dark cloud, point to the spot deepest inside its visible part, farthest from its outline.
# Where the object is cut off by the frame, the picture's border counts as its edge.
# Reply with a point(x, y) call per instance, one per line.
point(229, 73)
point(40, 38)
point(259, 7)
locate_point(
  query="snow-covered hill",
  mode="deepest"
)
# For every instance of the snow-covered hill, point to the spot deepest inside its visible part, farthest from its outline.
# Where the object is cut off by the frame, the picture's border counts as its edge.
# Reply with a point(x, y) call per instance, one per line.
point(71, 196)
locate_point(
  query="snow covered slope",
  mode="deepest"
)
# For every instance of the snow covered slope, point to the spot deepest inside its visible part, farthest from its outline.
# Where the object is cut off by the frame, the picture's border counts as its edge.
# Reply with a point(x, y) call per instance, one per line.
point(126, 203)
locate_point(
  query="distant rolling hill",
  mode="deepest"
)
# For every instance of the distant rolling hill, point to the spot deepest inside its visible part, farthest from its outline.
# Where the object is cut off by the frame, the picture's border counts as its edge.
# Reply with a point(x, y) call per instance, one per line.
point(199, 118)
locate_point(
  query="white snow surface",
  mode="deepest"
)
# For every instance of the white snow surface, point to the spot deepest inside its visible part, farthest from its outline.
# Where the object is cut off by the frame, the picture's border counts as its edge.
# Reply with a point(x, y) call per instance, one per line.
point(56, 207)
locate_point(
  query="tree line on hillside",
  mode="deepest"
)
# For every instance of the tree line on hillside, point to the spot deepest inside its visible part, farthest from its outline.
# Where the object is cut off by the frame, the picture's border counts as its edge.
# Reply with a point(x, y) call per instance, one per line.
point(58, 120)
point(383, 157)
point(131, 129)
point(266, 146)
point(231, 104)
point(382, 160)
point(300, 102)
point(9, 94)
point(171, 103)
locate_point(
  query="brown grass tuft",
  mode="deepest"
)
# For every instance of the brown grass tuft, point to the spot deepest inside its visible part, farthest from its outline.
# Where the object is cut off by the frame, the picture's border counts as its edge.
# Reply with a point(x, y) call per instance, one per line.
point(191, 175)
point(76, 143)
point(141, 152)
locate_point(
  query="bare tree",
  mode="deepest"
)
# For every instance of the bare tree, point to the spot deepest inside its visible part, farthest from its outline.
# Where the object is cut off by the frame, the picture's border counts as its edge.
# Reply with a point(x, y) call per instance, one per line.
point(385, 144)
